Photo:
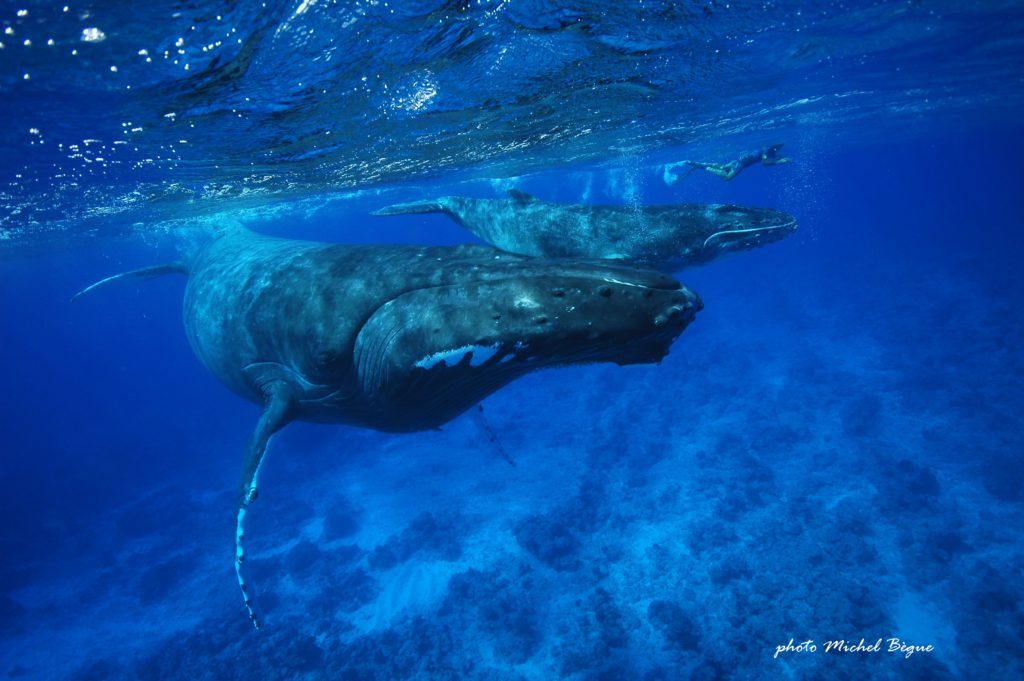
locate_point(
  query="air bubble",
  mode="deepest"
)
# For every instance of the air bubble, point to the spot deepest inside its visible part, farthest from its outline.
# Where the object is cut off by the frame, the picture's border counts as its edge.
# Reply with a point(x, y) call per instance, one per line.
point(93, 35)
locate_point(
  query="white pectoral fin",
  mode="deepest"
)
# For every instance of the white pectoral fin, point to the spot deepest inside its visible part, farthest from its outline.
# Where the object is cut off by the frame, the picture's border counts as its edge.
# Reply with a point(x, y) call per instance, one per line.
point(144, 273)
point(280, 405)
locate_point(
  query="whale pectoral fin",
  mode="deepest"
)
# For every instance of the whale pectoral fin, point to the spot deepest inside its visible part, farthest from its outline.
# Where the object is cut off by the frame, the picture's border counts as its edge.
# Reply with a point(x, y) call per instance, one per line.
point(521, 196)
point(265, 374)
point(144, 273)
point(436, 206)
point(281, 399)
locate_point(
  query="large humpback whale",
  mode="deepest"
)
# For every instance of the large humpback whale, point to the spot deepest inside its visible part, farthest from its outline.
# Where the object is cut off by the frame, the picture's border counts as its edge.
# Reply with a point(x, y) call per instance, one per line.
point(403, 338)
point(667, 237)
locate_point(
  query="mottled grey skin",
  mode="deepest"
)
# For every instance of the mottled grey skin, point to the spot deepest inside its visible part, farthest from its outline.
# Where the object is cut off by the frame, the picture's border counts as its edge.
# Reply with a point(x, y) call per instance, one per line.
point(668, 238)
point(344, 325)
point(404, 338)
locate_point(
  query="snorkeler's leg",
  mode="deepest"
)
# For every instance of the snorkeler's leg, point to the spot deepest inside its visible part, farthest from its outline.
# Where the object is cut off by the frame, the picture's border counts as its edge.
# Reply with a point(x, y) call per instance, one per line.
point(726, 171)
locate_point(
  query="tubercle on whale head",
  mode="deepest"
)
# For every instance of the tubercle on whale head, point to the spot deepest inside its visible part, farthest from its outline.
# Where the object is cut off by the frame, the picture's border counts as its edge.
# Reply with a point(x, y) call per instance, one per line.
point(431, 353)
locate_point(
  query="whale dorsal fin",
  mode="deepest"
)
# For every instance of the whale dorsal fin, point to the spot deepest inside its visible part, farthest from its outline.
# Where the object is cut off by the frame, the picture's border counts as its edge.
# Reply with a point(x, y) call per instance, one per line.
point(520, 196)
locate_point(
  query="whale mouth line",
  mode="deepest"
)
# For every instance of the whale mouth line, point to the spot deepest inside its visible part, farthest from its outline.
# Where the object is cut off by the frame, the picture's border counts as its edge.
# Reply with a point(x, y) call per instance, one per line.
point(613, 280)
point(750, 230)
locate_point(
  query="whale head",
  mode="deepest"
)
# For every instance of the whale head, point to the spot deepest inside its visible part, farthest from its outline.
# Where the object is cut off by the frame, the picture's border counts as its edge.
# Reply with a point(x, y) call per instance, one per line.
point(732, 228)
point(426, 355)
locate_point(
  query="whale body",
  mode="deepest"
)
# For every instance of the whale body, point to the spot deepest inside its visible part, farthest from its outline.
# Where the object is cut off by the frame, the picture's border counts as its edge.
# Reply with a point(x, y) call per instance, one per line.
point(402, 338)
point(669, 237)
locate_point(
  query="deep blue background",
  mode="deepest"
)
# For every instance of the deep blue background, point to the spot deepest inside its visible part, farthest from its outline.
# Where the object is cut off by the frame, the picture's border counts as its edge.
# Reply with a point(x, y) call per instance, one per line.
point(103, 399)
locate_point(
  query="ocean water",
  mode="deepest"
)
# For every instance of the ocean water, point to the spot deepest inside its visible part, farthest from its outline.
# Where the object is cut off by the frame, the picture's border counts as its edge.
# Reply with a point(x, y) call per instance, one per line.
point(832, 451)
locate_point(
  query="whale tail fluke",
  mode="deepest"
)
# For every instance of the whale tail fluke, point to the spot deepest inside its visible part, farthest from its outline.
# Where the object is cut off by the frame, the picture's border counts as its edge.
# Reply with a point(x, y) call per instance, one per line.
point(144, 273)
point(435, 206)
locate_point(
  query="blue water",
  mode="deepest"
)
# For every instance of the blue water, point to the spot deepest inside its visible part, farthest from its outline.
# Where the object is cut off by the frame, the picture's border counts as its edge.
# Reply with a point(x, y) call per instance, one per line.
point(833, 450)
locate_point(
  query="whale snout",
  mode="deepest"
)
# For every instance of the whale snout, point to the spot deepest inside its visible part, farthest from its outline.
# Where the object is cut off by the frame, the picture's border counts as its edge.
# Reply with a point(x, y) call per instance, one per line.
point(746, 216)
point(439, 350)
point(680, 310)
point(735, 228)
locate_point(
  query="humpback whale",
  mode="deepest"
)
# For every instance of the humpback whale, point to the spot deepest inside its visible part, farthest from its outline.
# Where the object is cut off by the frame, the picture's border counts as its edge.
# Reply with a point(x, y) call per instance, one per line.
point(402, 338)
point(668, 238)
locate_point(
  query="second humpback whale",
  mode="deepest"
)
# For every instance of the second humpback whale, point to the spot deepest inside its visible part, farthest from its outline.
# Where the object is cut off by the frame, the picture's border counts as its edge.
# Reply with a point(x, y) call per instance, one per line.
point(403, 338)
point(668, 237)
